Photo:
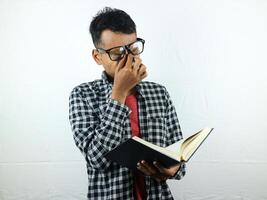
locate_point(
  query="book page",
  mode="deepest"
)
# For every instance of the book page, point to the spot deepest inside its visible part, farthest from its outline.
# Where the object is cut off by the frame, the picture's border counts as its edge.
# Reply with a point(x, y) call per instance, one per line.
point(163, 150)
point(191, 145)
point(176, 147)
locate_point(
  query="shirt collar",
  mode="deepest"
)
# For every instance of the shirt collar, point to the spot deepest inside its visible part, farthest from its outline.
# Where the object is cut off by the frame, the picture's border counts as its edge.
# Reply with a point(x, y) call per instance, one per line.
point(105, 77)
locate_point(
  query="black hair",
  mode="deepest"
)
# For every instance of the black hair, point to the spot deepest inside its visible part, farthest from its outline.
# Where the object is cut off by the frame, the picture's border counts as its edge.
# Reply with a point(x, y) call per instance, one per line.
point(112, 19)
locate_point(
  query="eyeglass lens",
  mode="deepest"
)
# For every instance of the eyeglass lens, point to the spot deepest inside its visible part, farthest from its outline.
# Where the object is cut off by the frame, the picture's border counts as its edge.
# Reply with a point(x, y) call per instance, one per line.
point(118, 53)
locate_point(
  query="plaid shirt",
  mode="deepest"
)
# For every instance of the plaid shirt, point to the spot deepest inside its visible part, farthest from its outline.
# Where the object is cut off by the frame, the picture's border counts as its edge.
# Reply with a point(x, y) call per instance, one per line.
point(100, 123)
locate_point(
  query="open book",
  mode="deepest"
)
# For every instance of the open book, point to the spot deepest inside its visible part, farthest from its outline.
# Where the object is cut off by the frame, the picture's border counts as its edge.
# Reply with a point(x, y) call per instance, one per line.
point(136, 149)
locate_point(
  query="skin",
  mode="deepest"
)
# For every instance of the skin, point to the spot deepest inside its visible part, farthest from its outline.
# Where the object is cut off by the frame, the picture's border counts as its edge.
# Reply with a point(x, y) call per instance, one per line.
point(125, 74)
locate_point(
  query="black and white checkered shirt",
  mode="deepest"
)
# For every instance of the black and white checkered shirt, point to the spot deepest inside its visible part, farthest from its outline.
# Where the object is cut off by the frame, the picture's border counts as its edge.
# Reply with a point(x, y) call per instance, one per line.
point(100, 123)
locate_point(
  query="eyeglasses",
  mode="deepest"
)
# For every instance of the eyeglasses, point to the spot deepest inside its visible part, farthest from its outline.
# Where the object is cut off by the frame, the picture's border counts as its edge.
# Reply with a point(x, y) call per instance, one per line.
point(117, 53)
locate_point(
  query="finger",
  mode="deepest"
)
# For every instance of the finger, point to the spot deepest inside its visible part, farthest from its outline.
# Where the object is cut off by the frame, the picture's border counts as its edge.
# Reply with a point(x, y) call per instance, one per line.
point(169, 172)
point(129, 61)
point(149, 170)
point(136, 64)
point(143, 169)
point(146, 169)
point(144, 75)
point(152, 170)
point(121, 63)
point(161, 169)
point(142, 69)
point(136, 67)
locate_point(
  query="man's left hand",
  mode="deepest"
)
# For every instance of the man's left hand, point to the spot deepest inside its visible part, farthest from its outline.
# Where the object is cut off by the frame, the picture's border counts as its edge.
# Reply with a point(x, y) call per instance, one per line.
point(157, 171)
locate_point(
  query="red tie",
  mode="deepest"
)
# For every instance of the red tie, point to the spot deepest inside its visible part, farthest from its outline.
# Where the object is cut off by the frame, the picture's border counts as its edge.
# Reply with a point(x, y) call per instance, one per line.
point(139, 180)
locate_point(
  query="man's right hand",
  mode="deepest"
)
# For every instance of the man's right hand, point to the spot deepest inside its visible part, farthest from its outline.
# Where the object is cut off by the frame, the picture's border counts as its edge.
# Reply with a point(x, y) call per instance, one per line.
point(129, 72)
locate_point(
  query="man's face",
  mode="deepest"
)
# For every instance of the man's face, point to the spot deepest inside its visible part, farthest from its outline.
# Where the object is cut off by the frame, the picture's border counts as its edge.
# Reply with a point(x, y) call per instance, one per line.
point(109, 40)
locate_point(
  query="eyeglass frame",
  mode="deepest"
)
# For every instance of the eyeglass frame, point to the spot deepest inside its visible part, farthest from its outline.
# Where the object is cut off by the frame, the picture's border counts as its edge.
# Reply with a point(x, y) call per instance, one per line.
point(126, 47)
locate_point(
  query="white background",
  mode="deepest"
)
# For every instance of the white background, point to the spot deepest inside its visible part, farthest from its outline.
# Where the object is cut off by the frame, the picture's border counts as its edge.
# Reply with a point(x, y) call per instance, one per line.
point(211, 55)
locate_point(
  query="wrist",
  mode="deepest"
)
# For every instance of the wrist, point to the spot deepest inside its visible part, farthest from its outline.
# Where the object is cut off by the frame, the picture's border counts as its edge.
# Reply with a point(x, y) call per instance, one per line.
point(118, 96)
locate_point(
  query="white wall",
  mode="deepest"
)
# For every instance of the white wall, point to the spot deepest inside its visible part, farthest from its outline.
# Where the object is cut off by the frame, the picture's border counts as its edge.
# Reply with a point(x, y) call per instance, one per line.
point(210, 54)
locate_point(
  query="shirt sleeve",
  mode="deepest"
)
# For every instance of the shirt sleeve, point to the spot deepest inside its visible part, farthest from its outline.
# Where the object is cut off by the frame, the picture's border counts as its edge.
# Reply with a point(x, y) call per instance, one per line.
point(174, 132)
point(93, 136)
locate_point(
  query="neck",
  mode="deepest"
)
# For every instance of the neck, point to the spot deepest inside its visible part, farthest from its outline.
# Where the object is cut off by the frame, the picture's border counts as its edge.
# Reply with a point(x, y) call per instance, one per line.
point(132, 91)
point(110, 78)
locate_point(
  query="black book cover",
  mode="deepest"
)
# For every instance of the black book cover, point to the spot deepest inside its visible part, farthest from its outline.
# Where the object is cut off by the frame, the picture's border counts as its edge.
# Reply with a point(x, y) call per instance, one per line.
point(130, 152)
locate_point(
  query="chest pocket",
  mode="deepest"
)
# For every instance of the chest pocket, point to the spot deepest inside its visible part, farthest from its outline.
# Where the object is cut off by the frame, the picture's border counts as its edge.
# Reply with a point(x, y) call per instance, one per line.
point(157, 130)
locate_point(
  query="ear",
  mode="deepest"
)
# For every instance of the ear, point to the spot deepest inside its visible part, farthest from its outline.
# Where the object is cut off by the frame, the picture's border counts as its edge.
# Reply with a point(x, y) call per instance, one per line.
point(97, 57)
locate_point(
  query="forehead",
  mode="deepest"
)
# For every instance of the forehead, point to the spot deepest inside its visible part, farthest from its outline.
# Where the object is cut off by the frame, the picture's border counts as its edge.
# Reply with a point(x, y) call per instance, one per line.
point(111, 39)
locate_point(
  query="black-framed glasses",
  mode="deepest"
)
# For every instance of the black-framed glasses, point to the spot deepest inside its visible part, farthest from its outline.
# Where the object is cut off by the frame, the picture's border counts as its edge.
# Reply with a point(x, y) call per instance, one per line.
point(117, 53)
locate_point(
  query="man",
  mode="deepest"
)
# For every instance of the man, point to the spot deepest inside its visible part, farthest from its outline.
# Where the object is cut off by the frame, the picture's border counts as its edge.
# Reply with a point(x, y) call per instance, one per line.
point(107, 111)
